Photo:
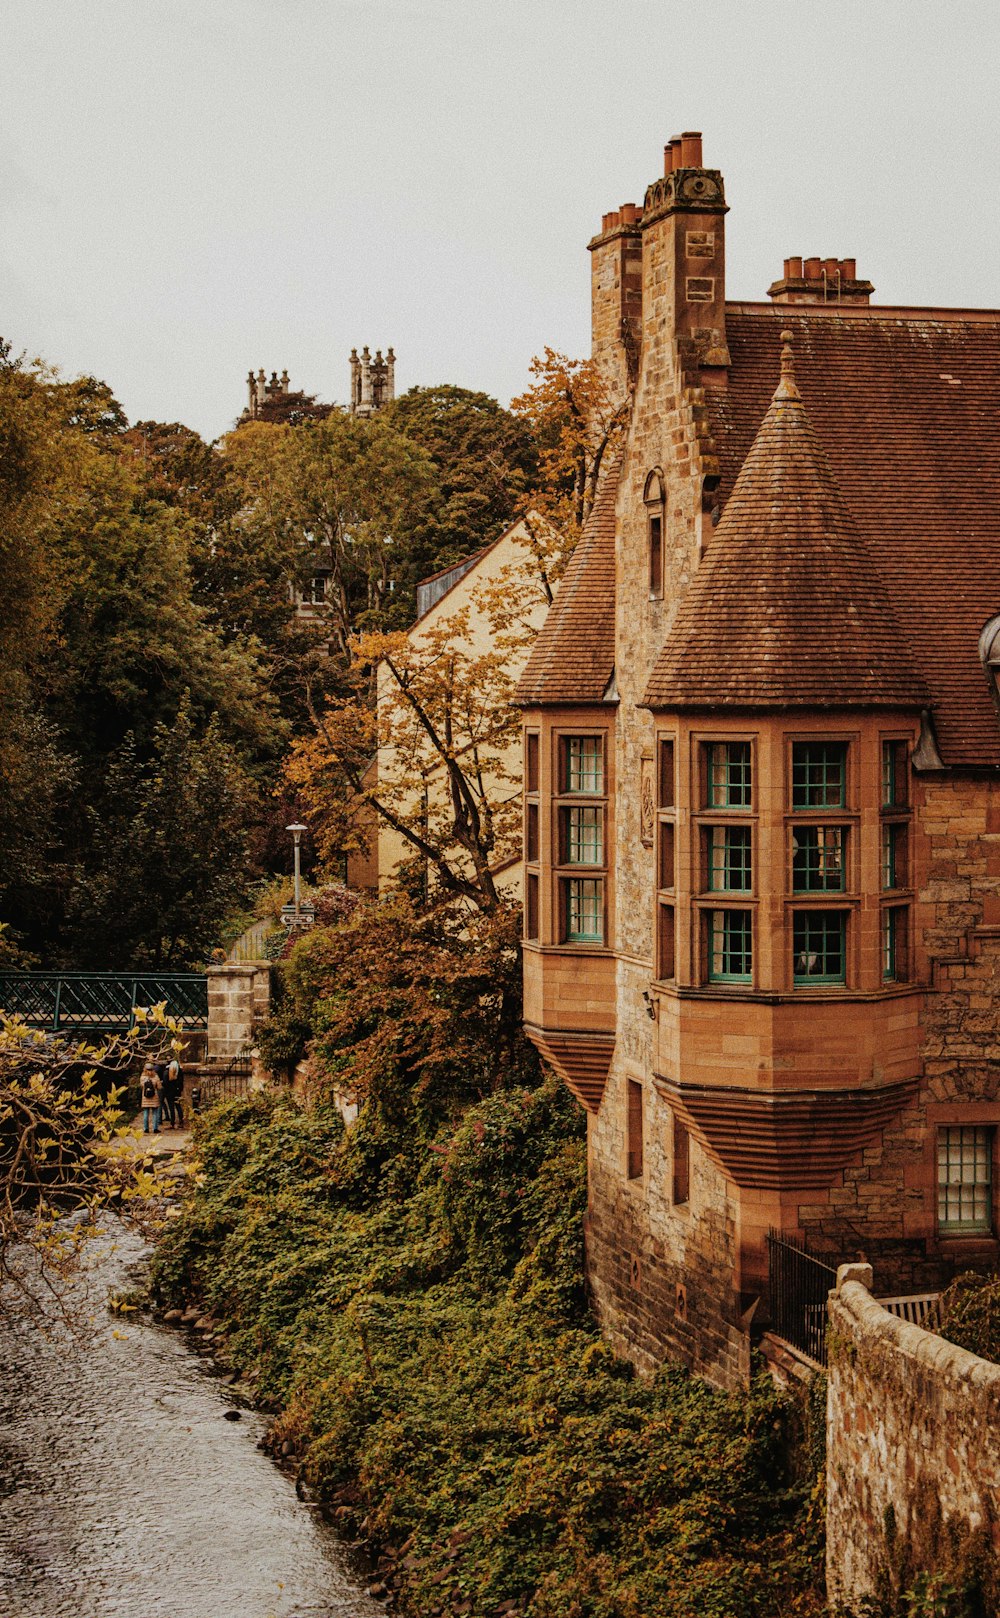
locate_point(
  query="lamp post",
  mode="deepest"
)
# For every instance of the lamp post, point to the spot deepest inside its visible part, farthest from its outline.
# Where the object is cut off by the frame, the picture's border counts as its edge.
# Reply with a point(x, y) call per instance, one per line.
point(296, 832)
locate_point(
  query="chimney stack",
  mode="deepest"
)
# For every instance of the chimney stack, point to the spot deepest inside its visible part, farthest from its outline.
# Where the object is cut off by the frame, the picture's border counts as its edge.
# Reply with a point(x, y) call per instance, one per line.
point(815, 280)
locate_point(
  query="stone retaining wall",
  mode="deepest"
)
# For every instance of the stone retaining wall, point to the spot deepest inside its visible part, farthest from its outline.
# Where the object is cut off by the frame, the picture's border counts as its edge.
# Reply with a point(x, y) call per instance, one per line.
point(913, 1455)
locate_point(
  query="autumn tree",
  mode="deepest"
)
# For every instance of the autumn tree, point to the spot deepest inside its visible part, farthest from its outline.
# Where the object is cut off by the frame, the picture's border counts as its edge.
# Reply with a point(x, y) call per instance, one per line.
point(577, 417)
point(65, 1153)
point(436, 756)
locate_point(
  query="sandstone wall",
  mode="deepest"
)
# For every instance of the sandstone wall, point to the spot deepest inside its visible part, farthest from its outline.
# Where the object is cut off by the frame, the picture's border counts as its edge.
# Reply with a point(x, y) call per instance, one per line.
point(913, 1454)
point(886, 1204)
point(239, 997)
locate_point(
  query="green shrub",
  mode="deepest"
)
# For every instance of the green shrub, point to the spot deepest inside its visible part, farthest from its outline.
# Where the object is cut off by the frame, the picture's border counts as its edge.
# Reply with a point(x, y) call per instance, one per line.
point(412, 1305)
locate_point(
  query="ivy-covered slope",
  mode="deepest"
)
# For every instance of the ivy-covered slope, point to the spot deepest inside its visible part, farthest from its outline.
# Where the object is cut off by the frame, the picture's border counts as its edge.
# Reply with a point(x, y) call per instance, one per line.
point(426, 1343)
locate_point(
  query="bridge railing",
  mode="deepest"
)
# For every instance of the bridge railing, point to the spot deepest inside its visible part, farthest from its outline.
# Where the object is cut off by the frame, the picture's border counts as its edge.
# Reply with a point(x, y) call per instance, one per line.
point(101, 1002)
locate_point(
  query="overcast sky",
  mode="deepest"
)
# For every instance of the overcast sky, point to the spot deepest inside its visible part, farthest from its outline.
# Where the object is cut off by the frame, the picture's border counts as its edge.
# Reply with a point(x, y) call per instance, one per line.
point(192, 187)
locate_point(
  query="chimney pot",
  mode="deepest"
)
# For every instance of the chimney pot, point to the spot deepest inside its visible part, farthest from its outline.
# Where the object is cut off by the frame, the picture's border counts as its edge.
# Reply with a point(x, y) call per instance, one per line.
point(832, 267)
point(849, 269)
point(629, 211)
point(812, 267)
point(794, 269)
point(787, 271)
point(691, 149)
point(675, 151)
point(668, 158)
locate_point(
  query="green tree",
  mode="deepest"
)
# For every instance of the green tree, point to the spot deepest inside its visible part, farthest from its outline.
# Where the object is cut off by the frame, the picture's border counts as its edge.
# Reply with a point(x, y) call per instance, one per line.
point(485, 459)
point(169, 856)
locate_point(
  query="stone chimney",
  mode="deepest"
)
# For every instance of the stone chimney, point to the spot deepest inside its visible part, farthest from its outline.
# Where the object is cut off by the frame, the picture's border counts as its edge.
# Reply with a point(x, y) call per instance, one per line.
point(820, 280)
point(684, 260)
point(616, 293)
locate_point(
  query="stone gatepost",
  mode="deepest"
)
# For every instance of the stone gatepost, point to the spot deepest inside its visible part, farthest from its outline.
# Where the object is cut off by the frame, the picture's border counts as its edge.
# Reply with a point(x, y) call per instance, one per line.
point(239, 997)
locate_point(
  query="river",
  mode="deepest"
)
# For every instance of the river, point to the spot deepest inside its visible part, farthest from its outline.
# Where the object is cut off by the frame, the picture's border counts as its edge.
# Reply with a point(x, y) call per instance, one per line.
point(126, 1493)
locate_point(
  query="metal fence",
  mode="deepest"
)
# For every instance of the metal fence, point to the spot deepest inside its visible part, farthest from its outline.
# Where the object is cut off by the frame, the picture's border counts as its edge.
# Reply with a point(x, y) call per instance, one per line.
point(798, 1285)
point(86, 1003)
point(252, 944)
point(233, 1081)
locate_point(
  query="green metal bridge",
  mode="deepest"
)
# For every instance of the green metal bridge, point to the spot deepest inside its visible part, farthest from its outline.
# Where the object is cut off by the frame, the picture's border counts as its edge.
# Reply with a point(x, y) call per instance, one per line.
point(101, 1002)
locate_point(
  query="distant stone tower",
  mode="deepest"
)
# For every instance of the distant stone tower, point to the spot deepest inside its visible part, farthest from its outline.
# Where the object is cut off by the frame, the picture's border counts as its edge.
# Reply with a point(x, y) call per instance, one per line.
point(373, 381)
point(263, 392)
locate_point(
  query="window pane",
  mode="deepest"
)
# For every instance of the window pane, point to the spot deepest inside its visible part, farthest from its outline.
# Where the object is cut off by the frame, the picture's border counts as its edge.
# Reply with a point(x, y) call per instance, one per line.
point(729, 775)
point(666, 864)
point(585, 910)
point(729, 859)
point(894, 944)
point(666, 775)
point(965, 1179)
point(531, 761)
point(634, 1130)
point(893, 856)
point(894, 778)
point(819, 939)
point(655, 556)
point(531, 907)
point(667, 967)
point(584, 764)
point(730, 946)
point(531, 832)
point(819, 775)
point(584, 843)
point(818, 859)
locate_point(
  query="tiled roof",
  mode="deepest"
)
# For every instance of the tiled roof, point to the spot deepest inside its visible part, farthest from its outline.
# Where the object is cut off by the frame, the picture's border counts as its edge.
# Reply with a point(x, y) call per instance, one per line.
point(906, 404)
point(787, 608)
point(573, 658)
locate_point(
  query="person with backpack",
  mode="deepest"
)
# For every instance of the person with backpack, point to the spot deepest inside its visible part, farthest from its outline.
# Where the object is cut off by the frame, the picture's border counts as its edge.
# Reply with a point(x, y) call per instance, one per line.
point(150, 1096)
point(173, 1092)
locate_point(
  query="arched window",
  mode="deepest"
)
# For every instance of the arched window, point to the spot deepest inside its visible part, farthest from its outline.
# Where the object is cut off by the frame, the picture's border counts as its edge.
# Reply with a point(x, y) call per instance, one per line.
point(654, 499)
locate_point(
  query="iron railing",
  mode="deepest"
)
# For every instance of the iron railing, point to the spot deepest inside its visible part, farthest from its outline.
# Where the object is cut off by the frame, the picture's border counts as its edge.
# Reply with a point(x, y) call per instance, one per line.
point(101, 1002)
point(233, 1081)
point(798, 1286)
point(251, 944)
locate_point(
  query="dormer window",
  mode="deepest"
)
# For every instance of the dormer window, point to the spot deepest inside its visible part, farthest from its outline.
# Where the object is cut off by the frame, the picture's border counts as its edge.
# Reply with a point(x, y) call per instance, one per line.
point(654, 500)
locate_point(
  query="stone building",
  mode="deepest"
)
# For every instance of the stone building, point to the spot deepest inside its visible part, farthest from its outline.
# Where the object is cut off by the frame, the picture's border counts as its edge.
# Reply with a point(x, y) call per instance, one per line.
point(373, 381)
point(493, 602)
point(762, 800)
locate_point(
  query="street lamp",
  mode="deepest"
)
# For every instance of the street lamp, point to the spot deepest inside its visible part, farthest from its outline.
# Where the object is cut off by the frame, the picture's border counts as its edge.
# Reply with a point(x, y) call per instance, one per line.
point(296, 832)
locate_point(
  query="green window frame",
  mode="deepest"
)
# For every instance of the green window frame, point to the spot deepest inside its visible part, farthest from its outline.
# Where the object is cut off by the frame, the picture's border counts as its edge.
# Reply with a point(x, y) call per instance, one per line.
point(583, 834)
point(819, 946)
point(895, 922)
point(730, 946)
point(965, 1180)
point(819, 859)
point(583, 764)
point(894, 777)
point(819, 775)
point(730, 775)
point(730, 859)
point(893, 854)
point(584, 910)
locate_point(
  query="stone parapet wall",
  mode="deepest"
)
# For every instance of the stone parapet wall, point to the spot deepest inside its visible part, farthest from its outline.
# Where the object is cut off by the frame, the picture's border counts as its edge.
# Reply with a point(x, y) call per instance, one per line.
point(913, 1455)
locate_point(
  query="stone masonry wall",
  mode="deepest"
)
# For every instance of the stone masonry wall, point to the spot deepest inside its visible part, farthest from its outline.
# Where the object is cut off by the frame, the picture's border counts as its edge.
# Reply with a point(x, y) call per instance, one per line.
point(238, 998)
point(662, 1276)
point(885, 1207)
point(913, 1455)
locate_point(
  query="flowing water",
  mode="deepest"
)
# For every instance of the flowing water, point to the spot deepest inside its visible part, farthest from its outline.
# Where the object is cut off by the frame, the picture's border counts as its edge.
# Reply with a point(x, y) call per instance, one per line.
point(126, 1493)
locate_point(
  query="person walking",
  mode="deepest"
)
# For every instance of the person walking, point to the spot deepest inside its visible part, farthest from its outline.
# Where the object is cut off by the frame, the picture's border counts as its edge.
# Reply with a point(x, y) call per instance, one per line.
point(173, 1092)
point(150, 1097)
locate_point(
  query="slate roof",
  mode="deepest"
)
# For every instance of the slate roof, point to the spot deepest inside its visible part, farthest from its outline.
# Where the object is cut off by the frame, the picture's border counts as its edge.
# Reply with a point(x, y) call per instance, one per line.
point(573, 658)
point(787, 608)
point(906, 404)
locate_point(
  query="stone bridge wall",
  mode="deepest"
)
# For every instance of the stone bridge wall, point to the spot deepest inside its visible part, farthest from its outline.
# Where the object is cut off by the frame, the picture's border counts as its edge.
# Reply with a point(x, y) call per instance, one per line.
point(913, 1455)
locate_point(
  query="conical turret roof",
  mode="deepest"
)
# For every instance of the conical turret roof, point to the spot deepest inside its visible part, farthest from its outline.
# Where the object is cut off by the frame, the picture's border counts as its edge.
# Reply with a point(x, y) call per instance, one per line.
point(787, 608)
